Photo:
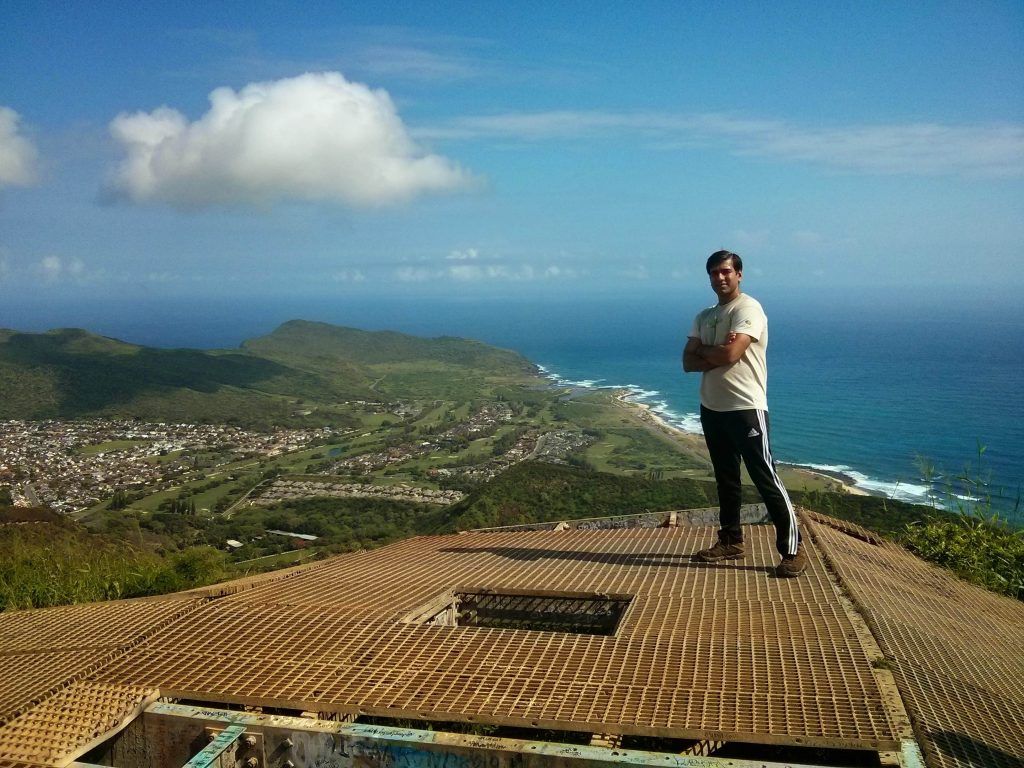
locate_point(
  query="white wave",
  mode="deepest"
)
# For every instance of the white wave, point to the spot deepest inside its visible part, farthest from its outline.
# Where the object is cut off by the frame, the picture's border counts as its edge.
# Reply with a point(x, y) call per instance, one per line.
point(899, 490)
point(652, 398)
point(638, 393)
point(689, 422)
point(823, 467)
point(967, 497)
point(561, 381)
point(914, 493)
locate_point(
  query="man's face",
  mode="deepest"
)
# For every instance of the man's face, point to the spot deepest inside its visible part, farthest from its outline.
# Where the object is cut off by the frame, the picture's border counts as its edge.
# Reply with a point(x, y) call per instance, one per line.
point(725, 280)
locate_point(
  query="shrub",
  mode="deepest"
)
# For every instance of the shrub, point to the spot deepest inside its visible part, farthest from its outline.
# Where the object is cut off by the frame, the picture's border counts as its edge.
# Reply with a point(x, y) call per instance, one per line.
point(985, 552)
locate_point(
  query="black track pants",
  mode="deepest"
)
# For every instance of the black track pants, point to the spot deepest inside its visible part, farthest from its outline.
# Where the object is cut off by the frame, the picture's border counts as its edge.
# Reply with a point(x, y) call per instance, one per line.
point(731, 435)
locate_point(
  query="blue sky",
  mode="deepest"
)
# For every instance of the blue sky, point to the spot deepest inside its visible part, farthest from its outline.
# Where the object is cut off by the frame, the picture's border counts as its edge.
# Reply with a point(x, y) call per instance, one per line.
point(507, 149)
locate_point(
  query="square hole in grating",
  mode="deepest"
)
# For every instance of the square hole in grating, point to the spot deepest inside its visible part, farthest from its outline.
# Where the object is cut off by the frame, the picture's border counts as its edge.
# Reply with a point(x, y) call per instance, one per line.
point(574, 613)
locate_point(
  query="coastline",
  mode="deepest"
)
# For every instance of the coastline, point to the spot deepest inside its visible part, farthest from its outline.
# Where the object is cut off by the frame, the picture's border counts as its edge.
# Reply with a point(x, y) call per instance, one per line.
point(646, 412)
point(685, 430)
point(652, 408)
point(839, 481)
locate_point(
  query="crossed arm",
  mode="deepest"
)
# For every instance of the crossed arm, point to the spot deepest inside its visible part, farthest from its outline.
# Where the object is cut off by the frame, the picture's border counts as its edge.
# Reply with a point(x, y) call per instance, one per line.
point(699, 357)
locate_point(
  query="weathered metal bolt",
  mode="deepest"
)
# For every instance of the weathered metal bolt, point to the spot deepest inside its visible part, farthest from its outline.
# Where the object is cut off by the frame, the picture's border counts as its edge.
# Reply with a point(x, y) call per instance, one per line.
point(287, 743)
point(252, 762)
point(249, 741)
point(287, 764)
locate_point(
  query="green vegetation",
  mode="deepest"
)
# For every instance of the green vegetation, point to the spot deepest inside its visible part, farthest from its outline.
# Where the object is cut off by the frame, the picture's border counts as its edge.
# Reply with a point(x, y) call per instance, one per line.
point(535, 492)
point(276, 379)
point(342, 524)
point(319, 346)
point(884, 516)
point(981, 549)
point(109, 445)
point(985, 552)
point(975, 543)
point(53, 561)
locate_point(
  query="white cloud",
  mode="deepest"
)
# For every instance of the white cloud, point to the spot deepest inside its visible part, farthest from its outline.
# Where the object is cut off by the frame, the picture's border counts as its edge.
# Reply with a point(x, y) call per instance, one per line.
point(893, 148)
point(466, 273)
point(53, 268)
point(314, 137)
point(554, 272)
point(18, 155)
point(466, 255)
point(415, 63)
point(414, 274)
point(349, 276)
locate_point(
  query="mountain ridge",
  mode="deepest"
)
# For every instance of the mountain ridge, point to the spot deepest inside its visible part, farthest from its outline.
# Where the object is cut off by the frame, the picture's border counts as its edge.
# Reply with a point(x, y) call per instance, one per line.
point(73, 373)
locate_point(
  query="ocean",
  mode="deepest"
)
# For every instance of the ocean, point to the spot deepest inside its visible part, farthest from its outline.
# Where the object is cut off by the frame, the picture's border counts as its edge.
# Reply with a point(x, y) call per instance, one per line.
point(873, 388)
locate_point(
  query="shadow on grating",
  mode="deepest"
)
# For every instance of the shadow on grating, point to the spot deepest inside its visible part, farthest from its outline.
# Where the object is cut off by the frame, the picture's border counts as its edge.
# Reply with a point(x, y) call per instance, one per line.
point(959, 746)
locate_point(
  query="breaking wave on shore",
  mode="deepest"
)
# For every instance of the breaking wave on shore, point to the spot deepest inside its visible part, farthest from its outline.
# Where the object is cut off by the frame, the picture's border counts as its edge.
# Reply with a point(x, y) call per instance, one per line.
point(652, 399)
point(913, 493)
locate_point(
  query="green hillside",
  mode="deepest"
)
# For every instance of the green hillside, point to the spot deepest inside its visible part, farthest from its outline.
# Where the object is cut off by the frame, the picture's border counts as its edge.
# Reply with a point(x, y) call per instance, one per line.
point(533, 492)
point(70, 373)
point(47, 559)
point(307, 344)
point(396, 364)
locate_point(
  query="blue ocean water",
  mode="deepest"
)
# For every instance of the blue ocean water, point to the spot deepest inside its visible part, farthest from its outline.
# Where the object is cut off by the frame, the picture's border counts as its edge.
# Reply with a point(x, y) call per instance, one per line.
point(864, 386)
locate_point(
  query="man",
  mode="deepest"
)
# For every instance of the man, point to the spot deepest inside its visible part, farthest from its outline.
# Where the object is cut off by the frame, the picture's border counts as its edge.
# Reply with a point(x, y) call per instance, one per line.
point(727, 345)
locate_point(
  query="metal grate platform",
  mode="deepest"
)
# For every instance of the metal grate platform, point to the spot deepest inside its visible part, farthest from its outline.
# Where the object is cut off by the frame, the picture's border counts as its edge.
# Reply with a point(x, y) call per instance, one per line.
point(726, 650)
point(955, 650)
point(97, 625)
point(44, 650)
point(68, 724)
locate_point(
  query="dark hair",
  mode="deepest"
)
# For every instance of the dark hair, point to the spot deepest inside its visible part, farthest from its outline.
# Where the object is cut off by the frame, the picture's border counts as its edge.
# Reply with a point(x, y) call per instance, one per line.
point(719, 257)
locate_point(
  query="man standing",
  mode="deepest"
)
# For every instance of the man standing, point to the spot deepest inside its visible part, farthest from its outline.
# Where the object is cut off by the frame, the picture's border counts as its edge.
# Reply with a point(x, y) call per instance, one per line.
point(727, 345)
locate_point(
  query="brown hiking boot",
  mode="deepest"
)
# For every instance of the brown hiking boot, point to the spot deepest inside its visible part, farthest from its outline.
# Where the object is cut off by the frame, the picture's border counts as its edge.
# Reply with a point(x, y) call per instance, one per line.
point(720, 551)
point(792, 565)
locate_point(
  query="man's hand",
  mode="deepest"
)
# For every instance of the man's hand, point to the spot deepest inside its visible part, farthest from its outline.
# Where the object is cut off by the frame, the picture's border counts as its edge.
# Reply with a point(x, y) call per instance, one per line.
point(693, 362)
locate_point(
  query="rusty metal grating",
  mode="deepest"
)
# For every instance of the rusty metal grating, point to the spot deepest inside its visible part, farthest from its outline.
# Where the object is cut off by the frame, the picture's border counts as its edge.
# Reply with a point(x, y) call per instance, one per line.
point(722, 650)
point(27, 677)
point(67, 724)
point(97, 625)
point(44, 650)
point(955, 650)
point(726, 649)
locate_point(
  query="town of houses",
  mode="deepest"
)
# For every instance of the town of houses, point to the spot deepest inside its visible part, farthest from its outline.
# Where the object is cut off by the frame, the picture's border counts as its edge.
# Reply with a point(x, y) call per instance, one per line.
point(72, 465)
point(43, 462)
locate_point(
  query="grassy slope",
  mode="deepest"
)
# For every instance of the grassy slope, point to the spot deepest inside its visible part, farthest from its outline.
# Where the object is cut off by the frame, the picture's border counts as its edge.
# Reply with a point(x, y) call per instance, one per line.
point(398, 365)
point(535, 491)
point(70, 373)
point(49, 560)
point(319, 346)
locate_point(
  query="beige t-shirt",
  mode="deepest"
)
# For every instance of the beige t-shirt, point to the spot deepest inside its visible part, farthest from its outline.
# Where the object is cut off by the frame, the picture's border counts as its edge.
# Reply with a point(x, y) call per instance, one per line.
point(744, 384)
